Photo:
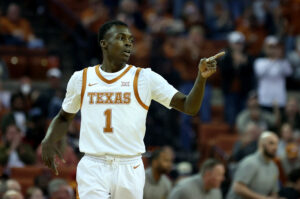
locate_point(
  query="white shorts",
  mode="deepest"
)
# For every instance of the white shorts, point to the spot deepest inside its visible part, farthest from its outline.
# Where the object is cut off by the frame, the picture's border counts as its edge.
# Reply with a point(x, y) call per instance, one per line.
point(109, 177)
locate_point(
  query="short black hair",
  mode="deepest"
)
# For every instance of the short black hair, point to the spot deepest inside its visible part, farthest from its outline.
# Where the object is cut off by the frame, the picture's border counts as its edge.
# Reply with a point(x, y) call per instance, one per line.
point(105, 27)
point(209, 164)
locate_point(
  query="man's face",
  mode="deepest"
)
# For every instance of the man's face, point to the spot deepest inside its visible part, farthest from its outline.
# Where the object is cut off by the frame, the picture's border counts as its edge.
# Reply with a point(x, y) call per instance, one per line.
point(270, 146)
point(165, 162)
point(119, 43)
point(213, 178)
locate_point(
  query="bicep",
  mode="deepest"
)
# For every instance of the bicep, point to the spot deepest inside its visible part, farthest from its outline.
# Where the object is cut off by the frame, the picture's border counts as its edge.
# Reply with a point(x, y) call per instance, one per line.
point(177, 101)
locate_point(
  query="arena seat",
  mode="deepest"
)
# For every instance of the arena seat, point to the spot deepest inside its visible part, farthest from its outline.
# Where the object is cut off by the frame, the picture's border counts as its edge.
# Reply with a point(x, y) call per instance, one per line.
point(37, 67)
point(28, 172)
point(16, 64)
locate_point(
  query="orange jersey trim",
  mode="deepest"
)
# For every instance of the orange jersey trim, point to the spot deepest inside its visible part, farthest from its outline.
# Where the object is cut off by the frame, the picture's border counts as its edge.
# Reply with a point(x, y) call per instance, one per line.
point(83, 87)
point(135, 88)
point(114, 79)
point(77, 194)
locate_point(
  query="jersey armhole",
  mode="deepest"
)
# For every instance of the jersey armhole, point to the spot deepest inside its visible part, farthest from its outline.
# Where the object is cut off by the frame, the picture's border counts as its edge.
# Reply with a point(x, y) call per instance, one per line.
point(83, 86)
point(135, 88)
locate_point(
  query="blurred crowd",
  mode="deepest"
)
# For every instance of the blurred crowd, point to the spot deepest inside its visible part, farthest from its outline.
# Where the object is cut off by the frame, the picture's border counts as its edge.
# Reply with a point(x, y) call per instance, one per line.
point(261, 67)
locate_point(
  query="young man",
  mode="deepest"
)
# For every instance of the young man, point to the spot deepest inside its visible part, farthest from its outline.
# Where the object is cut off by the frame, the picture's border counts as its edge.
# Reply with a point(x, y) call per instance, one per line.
point(114, 98)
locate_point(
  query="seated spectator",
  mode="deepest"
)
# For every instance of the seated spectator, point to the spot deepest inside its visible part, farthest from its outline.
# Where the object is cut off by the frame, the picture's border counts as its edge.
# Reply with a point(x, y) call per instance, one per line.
point(292, 191)
point(257, 175)
point(291, 159)
point(157, 184)
point(205, 184)
point(291, 114)
point(17, 30)
point(271, 72)
point(34, 193)
point(294, 59)
point(12, 184)
point(286, 136)
point(247, 143)
point(14, 152)
point(12, 194)
point(59, 189)
point(17, 114)
point(254, 114)
point(237, 76)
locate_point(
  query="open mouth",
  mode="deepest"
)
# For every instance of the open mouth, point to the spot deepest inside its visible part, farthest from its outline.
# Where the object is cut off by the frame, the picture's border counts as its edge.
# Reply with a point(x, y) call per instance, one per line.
point(127, 53)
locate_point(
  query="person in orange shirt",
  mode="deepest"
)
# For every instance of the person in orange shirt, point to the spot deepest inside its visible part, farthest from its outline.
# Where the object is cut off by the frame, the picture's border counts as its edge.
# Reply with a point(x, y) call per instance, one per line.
point(17, 30)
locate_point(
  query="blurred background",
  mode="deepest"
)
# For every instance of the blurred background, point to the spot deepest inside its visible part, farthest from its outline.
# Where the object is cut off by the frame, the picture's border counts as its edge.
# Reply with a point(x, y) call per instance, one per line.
point(42, 42)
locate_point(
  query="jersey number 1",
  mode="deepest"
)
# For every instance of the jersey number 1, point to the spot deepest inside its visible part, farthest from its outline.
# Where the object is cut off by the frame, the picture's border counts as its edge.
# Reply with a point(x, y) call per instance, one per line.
point(107, 128)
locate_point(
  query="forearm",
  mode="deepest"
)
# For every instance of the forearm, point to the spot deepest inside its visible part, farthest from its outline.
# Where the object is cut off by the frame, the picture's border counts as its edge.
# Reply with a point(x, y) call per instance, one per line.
point(58, 128)
point(190, 104)
point(244, 191)
point(194, 99)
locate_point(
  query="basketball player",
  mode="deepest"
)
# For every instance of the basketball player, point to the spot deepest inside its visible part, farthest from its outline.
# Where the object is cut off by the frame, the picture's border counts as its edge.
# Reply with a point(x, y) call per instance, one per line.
point(114, 99)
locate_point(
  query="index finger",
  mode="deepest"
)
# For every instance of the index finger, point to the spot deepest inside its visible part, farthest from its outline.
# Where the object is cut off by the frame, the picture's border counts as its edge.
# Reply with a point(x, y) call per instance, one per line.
point(216, 56)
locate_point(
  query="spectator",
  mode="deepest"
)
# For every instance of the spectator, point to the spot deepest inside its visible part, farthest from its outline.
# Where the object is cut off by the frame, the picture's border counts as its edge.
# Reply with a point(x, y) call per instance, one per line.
point(253, 31)
point(257, 174)
point(237, 76)
point(14, 152)
point(185, 53)
point(191, 14)
point(205, 184)
point(12, 184)
point(286, 136)
point(34, 193)
point(291, 114)
point(254, 114)
point(157, 184)
point(271, 72)
point(247, 143)
point(219, 24)
point(94, 15)
point(50, 100)
point(59, 189)
point(291, 159)
point(294, 59)
point(12, 194)
point(17, 29)
point(292, 191)
point(17, 115)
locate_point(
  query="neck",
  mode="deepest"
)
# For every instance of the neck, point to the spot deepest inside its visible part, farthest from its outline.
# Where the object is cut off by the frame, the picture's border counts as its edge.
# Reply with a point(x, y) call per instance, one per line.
point(111, 67)
point(156, 174)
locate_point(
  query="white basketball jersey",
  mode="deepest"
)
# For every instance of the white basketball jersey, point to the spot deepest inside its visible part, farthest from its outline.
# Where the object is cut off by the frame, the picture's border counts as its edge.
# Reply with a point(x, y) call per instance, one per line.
point(113, 115)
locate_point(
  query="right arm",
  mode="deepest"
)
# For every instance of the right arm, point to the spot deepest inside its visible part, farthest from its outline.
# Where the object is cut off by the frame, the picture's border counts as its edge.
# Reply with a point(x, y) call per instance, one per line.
point(242, 190)
point(58, 128)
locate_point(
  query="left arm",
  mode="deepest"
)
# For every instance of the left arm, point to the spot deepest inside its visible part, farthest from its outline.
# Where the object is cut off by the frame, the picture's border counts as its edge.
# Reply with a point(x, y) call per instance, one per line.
point(191, 103)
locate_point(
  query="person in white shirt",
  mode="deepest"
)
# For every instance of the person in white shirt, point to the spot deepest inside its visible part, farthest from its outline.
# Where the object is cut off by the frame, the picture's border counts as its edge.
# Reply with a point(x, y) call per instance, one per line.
point(114, 99)
point(271, 72)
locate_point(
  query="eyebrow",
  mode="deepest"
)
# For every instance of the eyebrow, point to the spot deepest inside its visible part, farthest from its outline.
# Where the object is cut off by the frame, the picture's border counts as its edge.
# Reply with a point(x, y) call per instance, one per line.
point(121, 33)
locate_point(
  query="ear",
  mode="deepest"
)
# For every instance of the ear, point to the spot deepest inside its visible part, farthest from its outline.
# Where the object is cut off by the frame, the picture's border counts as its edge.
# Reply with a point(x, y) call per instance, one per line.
point(103, 44)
